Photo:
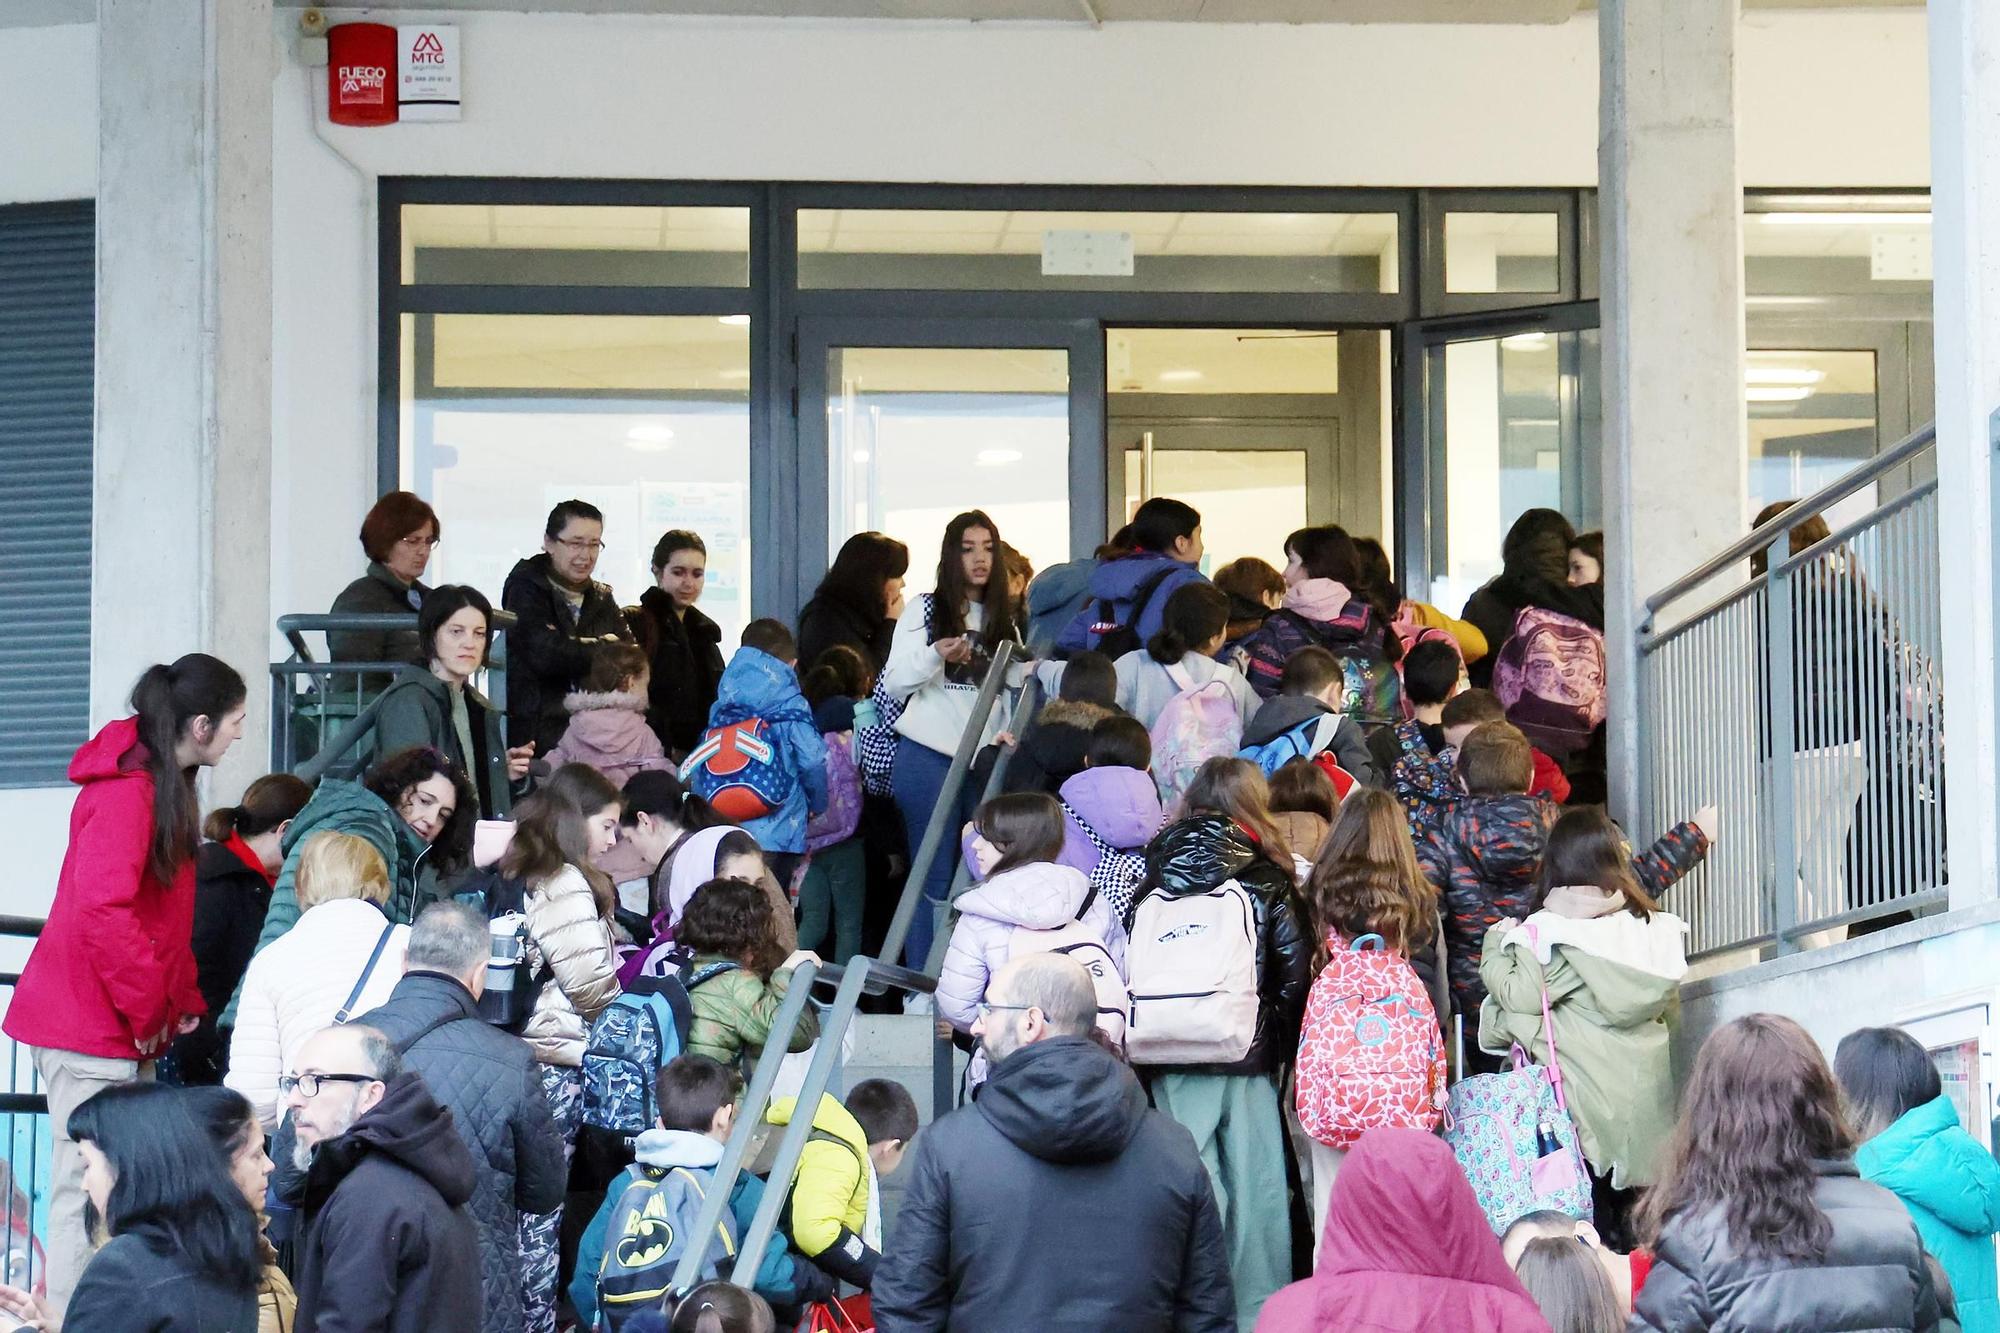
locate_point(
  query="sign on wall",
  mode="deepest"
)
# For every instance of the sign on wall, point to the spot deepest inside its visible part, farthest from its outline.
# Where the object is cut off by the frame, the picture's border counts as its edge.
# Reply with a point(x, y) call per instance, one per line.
point(427, 71)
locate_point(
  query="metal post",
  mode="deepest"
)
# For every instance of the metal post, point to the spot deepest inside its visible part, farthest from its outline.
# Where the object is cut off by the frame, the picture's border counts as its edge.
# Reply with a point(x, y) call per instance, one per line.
point(1782, 699)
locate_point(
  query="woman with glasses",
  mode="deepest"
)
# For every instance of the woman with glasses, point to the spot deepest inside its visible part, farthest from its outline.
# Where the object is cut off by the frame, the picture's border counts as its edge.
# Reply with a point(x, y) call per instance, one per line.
point(398, 536)
point(561, 616)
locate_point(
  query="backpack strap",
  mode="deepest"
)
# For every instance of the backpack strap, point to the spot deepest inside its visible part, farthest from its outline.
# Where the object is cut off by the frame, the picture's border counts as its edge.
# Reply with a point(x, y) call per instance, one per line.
point(1142, 596)
point(341, 1014)
point(1548, 1019)
point(1177, 673)
point(710, 973)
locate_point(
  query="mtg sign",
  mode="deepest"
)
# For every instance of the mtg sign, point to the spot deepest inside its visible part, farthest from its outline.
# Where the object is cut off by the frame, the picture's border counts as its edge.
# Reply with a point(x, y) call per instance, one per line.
point(377, 74)
point(427, 83)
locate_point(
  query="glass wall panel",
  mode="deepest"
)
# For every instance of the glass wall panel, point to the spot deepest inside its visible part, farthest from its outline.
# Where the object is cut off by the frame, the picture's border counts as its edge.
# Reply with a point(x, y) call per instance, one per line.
point(1501, 252)
point(576, 245)
point(1249, 499)
point(1813, 417)
point(1809, 256)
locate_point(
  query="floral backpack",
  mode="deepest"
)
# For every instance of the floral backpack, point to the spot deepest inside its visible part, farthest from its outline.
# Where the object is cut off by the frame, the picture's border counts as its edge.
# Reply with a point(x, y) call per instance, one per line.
point(1370, 1053)
point(842, 816)
point(1550, 679)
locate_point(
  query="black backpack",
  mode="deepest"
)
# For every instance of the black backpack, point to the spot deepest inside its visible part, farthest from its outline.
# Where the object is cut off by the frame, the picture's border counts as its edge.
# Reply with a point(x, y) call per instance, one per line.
point(1119, 639)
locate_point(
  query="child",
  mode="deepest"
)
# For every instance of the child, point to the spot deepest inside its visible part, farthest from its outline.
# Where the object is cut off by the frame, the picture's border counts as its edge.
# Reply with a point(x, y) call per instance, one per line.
point(1111, 811)
point(1303, 721)
point(607, 718)
point(1181, 656)
point(713, 1307)
point(1470, 708)
point(729, 921)
point(836, 1206)
point(1486, 854)
point(1610, 962)
point(1305, 800)
point(1570, 1286)
point(1366, 882)
point(1410, 755)
point(772, 787)
point(1255, 590)
point(1051, 749)
point(833, 889)
point(1025, 890)
point(1426, 776)
point(697, 1099)
point(1627, 1272)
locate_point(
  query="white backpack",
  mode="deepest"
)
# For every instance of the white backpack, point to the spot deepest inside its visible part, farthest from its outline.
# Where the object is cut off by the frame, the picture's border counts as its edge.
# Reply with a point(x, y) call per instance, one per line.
point(1080, 942)
point(1198, 724)
point(1193, 967)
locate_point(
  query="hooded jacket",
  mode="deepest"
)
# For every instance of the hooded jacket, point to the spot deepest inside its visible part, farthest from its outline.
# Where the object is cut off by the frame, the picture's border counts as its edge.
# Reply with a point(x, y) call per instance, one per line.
point(1614, 995)
point(830, 619)
point(1349, 746)
point(113, 968)
point(131, 1287)
point(1038, 896)
point(546, 655)
point(691, 863)
point(732, 1012)
point(1309, 618)
point(416, 710)
point(1872, 1276)
point(1405, 1250)
point(487, 1080)
point(1058, 1201)
point(231, 895)
point(378, 593)
point(1055, 596)
point(757, 684)
point(1118, 585)
point(1122, 807)
point(1951, 1185)
point(1052, 748)
point(1199, 853)
point(686, 654)
point(831, 1191)
point(387, 1243)
point(609, 733)
point(568, 938)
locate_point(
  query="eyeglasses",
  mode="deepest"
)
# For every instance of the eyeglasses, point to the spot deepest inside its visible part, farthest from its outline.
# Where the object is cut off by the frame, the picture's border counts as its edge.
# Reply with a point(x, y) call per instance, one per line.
point(987, 1010)
point(310, 1084)
point(580, 547)
point(415, 543)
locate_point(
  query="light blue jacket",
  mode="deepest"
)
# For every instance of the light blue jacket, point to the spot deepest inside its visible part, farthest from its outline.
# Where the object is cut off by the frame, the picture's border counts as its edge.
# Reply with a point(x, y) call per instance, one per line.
point(756, 684)
point(1951, 1186)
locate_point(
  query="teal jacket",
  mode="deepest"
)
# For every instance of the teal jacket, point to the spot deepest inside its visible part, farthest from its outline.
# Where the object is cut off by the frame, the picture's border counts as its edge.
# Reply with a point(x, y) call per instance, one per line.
point(1951, 1186)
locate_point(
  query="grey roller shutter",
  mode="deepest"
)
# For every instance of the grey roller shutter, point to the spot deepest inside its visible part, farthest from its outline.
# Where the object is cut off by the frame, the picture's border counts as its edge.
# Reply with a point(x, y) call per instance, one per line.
point(47, 324)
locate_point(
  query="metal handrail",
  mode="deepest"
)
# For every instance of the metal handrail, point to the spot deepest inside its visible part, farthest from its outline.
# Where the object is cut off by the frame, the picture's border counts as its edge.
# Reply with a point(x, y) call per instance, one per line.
point(305, 622)
point(1771, 529)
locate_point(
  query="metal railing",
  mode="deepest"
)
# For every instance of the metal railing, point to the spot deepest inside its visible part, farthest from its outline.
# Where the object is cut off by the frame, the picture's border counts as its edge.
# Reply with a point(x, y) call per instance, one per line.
point(1808, 705)
point(26, 1182)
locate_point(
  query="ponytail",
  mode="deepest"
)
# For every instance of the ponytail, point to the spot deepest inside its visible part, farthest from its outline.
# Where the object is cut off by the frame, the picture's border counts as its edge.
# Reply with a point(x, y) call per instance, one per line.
point(220, 826)
point(664, 796)
point(267, 803)
point(165, 702)
point(1195, 613)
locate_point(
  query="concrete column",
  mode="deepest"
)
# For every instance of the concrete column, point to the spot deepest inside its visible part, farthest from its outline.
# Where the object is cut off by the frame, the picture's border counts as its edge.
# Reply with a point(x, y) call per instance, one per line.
point(1675, 474)
point(181, 550)
point(1965, 206)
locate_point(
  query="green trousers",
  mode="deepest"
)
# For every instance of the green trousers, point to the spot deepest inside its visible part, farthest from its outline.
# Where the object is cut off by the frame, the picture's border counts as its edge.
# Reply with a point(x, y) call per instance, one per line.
point(835, 892)
point(1238, 1127)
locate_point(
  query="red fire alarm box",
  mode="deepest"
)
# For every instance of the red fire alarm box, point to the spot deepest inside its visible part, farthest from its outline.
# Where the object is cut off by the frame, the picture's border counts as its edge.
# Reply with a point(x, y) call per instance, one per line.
point(361, 74)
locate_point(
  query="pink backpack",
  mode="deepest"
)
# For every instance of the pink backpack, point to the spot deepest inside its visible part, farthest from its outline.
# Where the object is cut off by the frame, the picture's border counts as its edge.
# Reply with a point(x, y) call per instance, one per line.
point(1550, 679)
point(1197, 725)
point(1370, 1053)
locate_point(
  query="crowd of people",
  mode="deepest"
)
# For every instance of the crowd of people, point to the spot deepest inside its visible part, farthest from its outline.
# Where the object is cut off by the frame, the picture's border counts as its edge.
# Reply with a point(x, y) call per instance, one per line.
point(1305, 981)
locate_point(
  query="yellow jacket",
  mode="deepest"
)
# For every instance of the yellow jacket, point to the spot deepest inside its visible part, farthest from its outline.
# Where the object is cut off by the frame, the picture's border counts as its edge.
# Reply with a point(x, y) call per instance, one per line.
point(829, 1203)
point(1472, 643)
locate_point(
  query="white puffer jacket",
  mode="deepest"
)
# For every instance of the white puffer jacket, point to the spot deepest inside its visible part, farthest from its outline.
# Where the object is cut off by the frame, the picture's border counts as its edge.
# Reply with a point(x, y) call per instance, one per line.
point(566, 934)
point(1041, 895)
point(296, 986)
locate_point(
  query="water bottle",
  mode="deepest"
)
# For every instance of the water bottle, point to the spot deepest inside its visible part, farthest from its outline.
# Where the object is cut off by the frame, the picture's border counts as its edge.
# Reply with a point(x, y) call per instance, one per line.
point(1546, 1143)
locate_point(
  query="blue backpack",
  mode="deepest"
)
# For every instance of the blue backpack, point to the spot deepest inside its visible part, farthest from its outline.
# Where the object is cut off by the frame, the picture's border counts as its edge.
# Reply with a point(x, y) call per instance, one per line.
point(651, 1226)
point(1304, 741)
point(739, 771)
point(637, 1036)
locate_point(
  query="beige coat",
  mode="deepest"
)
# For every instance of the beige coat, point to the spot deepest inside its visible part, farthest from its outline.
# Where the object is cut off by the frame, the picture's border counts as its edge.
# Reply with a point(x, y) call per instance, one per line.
point(566, 935)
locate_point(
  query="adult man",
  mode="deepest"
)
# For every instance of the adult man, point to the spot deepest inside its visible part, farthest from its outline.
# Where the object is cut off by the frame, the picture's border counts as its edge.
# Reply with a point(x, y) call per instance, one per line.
point(560, 615)
point(1058, 1200)
point(487, 1080)
point(388, 1245)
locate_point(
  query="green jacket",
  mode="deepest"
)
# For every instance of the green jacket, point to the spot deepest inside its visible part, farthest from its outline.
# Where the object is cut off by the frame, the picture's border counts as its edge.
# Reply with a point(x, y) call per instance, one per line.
point(1614, 995)
point(416, 710)
point(733, 1011)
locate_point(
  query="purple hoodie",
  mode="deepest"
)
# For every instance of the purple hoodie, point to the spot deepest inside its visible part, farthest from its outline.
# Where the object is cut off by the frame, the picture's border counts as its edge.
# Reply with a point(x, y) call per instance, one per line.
point(1121, 805)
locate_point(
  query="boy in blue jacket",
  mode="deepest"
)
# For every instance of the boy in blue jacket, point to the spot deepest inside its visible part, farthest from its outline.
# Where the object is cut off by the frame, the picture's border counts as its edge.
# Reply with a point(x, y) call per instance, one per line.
point(762, 683)
point(697, 1098)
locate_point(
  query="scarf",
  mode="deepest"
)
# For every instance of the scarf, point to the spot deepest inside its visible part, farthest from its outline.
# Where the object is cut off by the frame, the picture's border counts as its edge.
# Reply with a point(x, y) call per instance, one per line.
point(250, 858)
point(694, 866)
point(1318, 599)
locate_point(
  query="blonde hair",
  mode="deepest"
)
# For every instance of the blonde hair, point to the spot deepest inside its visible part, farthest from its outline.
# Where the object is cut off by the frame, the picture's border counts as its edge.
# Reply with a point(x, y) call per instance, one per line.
point(339, 865)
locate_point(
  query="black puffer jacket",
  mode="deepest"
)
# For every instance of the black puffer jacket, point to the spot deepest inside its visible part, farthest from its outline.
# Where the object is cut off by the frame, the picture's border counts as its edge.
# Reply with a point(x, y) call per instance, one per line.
point(1871, 1280)
point(1199, 853)
point(487, 1080)
point(686, 653)
point(830, 619)
point(1058, 1159)
point(230, 900)
point(546, 655)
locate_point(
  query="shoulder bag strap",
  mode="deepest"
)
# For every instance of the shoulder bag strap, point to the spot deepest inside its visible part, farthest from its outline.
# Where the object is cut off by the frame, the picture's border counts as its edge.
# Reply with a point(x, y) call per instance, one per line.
point(1548, 1020)
point(381, 942)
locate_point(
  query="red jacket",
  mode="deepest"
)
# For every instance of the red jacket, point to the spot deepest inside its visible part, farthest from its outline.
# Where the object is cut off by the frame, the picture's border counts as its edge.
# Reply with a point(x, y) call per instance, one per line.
point(113, 966)
point(1406, 1250)
point(1550, 783)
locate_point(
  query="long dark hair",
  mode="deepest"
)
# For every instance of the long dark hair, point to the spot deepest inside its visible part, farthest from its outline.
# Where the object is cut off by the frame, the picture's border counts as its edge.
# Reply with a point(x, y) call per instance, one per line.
point(267, 803)
point(167, 700)
point(226, 1115)
point(1537, 547)
point(1194, 614)
point(1760, 1108)
point(954, 594)
point(1327, 552)
point(1585, 847)
point(1024, 827)
point(551, 831)
point(1161, 521)
point(1376, 575)
point(867, 561)
point(664, 796)
point(170, 1187)
point(1884, 1074)
point(393, 776)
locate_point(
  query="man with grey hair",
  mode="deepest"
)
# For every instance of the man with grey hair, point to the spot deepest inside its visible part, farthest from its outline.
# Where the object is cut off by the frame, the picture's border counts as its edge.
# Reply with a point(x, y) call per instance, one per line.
point(386, 1243)
point(487, 1080)
point(1058, 1199)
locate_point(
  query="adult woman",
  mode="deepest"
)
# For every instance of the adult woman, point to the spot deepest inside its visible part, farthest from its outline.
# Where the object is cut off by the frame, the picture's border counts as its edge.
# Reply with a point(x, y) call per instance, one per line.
point(232, 1128)
point(684, 646)
point(940, 653)
point(398, 535)
point(1132, 589)
point(1181, 654)
point(1378, 581)
point(1534, 573)
point(1913, 1146)
point(341, 959)
point(234, 873)
point(859, 600)
point(1327, 603)
point(1759, 1219)
point(558, 834)
point(435, 704)
point(112, 979)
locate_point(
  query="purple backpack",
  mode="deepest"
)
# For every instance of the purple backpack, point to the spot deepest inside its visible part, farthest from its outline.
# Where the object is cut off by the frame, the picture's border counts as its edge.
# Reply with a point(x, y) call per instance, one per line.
point(842, 816)
point(1550, 679)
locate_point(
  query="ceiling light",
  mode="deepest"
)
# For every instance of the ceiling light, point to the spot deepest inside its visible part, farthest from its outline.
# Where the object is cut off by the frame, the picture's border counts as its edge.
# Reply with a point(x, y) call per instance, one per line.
point(1525, 340)
point(734, 321)
point(1776, 393)
point(1179, 376)
point(997, 457)
point(649, 434)
point(1782, 375)
point(1843, 219)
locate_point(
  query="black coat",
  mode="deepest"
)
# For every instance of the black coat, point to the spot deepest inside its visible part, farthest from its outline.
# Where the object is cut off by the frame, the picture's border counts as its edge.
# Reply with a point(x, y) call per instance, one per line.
point(388, 1244)
point(130, 1287)
point(545, 656)
point(686, 653)
point(1053, 747)
point(1196, 855)
point(1872, 1276)
point(488, 1081)
point(828, 620)
point(1057, 1202)
point(376, 593)
point(229, 903)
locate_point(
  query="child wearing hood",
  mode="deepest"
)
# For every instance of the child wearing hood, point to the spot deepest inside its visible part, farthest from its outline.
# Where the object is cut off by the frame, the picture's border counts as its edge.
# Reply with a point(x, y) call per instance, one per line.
point(761, 683)
point(1111, 810)
point(1053, 748)
point(607, 718)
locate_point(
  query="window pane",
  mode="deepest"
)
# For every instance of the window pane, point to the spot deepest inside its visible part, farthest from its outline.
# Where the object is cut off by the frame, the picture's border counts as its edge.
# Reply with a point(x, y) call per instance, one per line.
point(1227, 361)
point(646, 417)
point(916, 435)
point(1812, 418)
point(1501, 252)
point(576, 245)
point(1003, 250)
point(1249, 499)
